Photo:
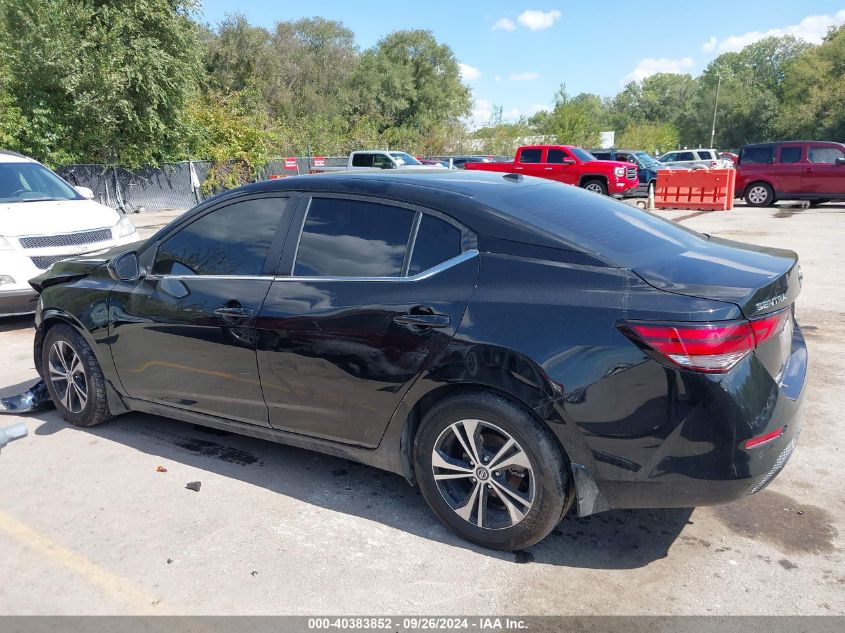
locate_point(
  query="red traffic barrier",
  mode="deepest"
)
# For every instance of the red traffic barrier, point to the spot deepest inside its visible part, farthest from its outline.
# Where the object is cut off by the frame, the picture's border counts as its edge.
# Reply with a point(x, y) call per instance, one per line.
point(290, 163)
point(319, 161)
point(699, 189)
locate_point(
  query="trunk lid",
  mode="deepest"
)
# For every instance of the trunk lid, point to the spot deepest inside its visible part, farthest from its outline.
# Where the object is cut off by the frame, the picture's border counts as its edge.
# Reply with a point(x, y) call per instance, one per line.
point(757, 279)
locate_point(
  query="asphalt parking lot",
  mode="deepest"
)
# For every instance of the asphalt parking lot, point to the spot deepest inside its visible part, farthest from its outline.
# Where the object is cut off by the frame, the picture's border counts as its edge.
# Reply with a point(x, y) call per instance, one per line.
point(88, 525)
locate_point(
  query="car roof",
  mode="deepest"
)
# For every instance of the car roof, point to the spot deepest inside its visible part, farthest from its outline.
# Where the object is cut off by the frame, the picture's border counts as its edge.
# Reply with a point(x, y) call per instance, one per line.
point(771, 143)
point(482, 201)
point(8, 156)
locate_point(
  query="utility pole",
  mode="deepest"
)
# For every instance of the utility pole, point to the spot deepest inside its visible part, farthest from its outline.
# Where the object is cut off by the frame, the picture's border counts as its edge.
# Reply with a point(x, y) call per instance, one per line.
point(715, 108)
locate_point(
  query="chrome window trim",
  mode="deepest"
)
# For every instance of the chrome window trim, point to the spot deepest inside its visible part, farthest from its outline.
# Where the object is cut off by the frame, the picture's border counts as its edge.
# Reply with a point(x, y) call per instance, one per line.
point(434, 270)
point(218, 277)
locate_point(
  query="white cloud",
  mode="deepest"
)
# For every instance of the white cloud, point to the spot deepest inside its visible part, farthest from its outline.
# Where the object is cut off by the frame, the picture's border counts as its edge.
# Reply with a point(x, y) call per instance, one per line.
point(504, 24)
point(538, 20)
point(710, 45)
point(482, 111)
point(469, 73)
point(537, 107)
point(811, 29)
point(527, 76)
point(651, 66)
point(498, 78)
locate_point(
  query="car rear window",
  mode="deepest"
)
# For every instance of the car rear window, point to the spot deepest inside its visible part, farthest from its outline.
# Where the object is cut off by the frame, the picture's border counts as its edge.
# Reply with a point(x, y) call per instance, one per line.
point(530, 155)
point(757, 155)
point(362, 160)
point(790, 155)
point(705, 154)
point(619, 233)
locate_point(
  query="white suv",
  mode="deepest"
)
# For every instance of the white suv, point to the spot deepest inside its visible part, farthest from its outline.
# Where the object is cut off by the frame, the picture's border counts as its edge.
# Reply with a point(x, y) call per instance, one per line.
point(42, 220)
point(696, 159)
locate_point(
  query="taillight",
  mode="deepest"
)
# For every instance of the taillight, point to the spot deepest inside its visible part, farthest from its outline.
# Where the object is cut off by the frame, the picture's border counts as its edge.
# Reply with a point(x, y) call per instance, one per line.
point(706, 347)
point(714, 163)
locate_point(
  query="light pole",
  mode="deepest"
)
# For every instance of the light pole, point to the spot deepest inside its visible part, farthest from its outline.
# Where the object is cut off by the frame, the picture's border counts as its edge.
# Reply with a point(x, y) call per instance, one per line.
point(715, 107)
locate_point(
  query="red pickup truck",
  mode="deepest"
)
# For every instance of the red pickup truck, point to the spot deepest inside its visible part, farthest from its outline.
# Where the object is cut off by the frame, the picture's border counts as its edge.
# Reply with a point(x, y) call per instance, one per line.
point(570, 165)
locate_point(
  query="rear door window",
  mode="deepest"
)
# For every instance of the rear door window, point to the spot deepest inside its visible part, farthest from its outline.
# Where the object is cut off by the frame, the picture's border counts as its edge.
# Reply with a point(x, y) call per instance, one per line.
point(362, 160)
point(757, 155)
point(556, 156)
point(353, 238)
point(530, 156)
point(789, 155)
point(824, 155)
point(437, 241)
point(685, 156)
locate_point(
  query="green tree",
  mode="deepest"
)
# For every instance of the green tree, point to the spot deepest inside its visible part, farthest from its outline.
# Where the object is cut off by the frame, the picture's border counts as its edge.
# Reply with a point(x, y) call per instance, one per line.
point(651, 137)
point(753, 82)
point(576, 120)
point(408, 84)
point(100, 81)
point(814, 89)
point(501, 138)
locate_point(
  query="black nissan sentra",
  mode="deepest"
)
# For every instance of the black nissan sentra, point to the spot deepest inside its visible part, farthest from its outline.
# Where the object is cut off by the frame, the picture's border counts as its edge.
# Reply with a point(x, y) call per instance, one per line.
point(511, 345)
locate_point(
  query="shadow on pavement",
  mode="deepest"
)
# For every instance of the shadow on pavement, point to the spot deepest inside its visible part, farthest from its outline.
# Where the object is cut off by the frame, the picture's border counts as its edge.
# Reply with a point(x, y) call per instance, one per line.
point(623, 539)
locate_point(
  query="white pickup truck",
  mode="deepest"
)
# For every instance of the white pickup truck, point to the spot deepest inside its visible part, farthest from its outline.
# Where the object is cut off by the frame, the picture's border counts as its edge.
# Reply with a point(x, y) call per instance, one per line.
point(377, 159)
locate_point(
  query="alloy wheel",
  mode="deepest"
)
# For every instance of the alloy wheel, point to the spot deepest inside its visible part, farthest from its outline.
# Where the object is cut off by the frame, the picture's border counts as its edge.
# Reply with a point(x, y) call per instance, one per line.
point(758, 195)
point(483, 474)
point(594, 187)
point(67, 375)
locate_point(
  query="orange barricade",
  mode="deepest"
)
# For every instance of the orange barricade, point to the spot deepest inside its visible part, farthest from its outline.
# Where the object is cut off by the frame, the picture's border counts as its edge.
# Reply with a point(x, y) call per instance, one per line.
point(700, 189)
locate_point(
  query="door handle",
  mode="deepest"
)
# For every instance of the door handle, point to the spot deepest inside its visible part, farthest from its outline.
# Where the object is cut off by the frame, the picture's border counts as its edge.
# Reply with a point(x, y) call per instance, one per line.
point(519, 168)
point(423, 320)
point(233, 314)
point(547, 168)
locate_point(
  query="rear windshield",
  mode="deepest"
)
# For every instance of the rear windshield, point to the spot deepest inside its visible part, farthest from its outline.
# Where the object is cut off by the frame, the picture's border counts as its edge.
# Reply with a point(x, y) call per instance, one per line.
point(625, 236)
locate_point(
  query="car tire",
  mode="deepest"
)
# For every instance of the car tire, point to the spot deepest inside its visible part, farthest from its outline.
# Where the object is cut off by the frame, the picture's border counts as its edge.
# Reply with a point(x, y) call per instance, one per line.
point(522, 501)
point(74, 379)
point(759, 194)
point(595, 185)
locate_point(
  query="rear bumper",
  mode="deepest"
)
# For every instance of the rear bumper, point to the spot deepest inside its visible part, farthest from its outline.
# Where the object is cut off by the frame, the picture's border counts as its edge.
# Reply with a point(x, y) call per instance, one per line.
point(703, 459)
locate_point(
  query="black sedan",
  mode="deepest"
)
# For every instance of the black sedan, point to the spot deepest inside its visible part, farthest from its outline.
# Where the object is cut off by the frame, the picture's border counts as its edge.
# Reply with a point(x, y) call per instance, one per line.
point(512, 345)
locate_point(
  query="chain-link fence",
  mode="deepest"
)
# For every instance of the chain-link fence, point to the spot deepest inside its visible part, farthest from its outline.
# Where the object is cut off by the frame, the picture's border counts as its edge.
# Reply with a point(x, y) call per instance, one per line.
point(174, 186)
point(170, 186)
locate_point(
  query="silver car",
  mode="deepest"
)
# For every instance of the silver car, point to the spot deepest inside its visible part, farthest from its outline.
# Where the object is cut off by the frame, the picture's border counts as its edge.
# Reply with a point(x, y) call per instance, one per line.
point(694, 159)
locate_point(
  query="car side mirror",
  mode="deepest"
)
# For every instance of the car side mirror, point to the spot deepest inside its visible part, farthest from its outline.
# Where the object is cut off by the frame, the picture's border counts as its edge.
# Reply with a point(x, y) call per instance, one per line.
point(85, 192)
point(125, 267)
point(840, 161)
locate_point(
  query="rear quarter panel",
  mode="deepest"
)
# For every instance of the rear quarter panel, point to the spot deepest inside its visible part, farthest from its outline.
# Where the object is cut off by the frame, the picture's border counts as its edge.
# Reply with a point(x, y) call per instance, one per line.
point(545, 335)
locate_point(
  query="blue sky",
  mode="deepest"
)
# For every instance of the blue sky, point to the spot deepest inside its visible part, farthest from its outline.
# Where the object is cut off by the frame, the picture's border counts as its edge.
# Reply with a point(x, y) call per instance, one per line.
point(515, 54)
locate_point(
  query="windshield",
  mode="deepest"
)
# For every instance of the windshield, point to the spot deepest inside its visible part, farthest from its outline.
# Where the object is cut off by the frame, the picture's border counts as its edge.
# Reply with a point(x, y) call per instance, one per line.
point(646, 160)
point(583, 155)
point(30, 182)
point(404, 158)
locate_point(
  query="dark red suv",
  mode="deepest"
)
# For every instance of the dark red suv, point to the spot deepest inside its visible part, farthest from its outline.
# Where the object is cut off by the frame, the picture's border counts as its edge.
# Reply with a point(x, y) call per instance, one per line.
point(791, 170)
